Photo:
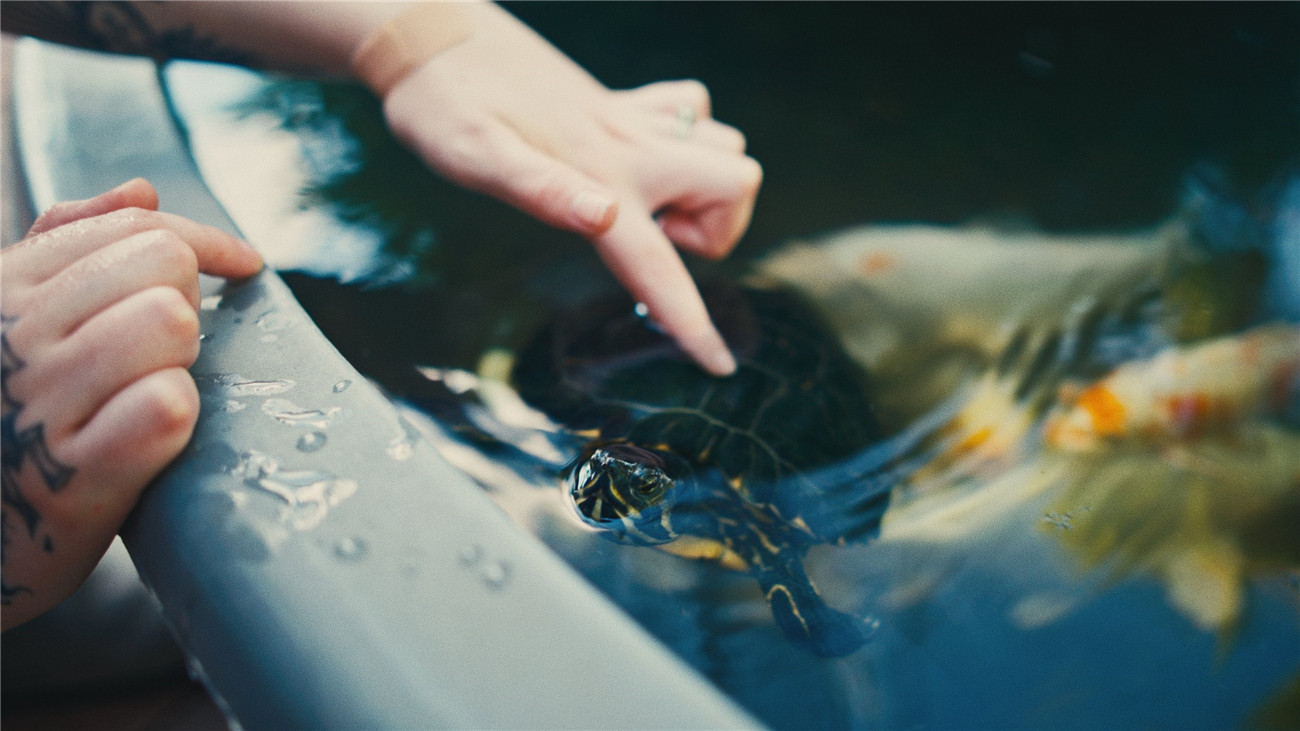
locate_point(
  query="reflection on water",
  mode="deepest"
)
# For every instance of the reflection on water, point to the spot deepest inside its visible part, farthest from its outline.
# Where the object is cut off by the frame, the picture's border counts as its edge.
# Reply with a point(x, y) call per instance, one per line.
point(1102, 529)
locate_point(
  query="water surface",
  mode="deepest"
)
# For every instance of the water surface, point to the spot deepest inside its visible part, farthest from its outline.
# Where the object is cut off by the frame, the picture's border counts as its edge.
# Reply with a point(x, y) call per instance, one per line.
point(997, 204)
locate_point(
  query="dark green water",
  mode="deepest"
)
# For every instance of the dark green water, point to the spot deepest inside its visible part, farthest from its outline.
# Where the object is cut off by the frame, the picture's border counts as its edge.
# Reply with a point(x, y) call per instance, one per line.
point(1040, 590)
point(1067, 116)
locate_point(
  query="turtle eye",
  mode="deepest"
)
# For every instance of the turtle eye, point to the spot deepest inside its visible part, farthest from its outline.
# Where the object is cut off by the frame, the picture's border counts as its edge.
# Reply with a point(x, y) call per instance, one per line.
point(648, 488)
point(638, 476)
point(652, 488)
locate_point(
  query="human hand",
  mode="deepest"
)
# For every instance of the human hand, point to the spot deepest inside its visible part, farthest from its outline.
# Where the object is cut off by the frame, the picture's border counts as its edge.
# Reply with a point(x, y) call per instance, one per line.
point(635, 172)
point(99, 307)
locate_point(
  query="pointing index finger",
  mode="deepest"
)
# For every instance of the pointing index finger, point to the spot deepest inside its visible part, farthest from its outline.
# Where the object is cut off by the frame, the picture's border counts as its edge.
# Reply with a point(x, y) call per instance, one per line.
point(648, 266)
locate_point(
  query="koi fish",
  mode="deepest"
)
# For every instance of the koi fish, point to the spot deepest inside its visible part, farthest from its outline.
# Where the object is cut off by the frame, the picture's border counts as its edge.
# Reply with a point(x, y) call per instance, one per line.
point(1183, 392)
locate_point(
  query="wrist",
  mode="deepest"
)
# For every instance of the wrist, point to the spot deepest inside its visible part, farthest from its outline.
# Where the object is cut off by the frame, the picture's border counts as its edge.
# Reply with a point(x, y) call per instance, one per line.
point(390, 52)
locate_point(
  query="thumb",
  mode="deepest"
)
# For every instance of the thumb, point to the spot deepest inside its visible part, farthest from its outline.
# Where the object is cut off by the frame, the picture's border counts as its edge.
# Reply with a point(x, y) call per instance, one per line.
point(507, 167)
point(135, 193)
point(553, 192)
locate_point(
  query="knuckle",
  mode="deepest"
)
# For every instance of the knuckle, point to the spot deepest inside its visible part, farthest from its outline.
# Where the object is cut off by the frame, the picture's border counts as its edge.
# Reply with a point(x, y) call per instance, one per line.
point(161, 409)
point(751, 175)
point(466, 146)
point(694, 90)
point(171, 250)
point(170, 311)
point(169, 403)
point(461, 154)
point(737, 140)
point(458, 144)
point(547, 192)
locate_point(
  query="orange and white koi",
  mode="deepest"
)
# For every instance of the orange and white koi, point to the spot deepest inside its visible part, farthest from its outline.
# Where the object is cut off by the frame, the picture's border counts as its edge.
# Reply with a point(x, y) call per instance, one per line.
point(1183, 392)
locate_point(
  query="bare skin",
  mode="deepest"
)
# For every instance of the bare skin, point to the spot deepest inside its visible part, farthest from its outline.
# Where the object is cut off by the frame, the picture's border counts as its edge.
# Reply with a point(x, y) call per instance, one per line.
point(99, 301)
point(100, 311)
point(549, 139)
point(507, 114)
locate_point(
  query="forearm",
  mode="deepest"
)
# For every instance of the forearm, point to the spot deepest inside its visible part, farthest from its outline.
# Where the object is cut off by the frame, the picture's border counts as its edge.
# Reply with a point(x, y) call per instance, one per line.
point(493, 106)
point(304, 37)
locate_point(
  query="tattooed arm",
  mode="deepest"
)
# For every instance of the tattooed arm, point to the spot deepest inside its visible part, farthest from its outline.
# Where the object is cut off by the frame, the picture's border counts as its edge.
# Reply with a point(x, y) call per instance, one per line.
point(641, 174)
point(98, 323)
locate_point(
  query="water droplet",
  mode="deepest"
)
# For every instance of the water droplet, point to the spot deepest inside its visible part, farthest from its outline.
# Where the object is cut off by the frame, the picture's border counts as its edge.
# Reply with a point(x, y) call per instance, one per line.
point(203, 337)
point(350, 549)
point(237, 386)
point(1058, 520)
point(342, 386)
point(871, 627)
point(399, 449)
point(287, 412)
point(254, 465)
point(308, 495)
point(259, 388)
point(470, 555)
point(495, 574)
point(311, 441)
point(402, 446)
point(272, 321)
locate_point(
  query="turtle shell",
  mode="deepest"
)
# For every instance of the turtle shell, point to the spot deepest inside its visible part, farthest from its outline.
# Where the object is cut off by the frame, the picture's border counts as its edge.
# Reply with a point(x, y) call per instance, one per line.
point(797, 400)
point(733, 464)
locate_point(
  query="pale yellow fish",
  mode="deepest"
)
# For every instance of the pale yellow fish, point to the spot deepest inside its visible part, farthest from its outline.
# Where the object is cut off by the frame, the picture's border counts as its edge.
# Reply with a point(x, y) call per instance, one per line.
point(1183, 392)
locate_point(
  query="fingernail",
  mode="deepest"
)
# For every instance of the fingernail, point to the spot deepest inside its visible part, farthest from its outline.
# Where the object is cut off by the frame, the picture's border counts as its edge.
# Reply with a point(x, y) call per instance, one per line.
point(121, 186)
point(261, 263)
point(720, 362)
point(593, 210)
point(111, 192)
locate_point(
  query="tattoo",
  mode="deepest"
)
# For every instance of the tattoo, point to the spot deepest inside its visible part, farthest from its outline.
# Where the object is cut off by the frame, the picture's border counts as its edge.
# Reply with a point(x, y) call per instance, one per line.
point(18, 449)
point(10, 364)
point(120, 27)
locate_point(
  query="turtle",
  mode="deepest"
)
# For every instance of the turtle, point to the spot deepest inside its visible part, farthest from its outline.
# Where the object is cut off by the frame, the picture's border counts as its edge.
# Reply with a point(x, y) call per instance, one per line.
point(749, 470)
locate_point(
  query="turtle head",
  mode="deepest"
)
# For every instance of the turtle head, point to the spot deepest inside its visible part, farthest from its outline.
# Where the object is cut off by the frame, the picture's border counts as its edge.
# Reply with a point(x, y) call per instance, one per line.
point(627, 490)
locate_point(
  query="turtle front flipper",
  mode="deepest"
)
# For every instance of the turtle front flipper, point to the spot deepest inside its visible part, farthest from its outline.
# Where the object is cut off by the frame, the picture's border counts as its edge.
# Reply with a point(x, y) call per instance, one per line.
point(806, 619)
